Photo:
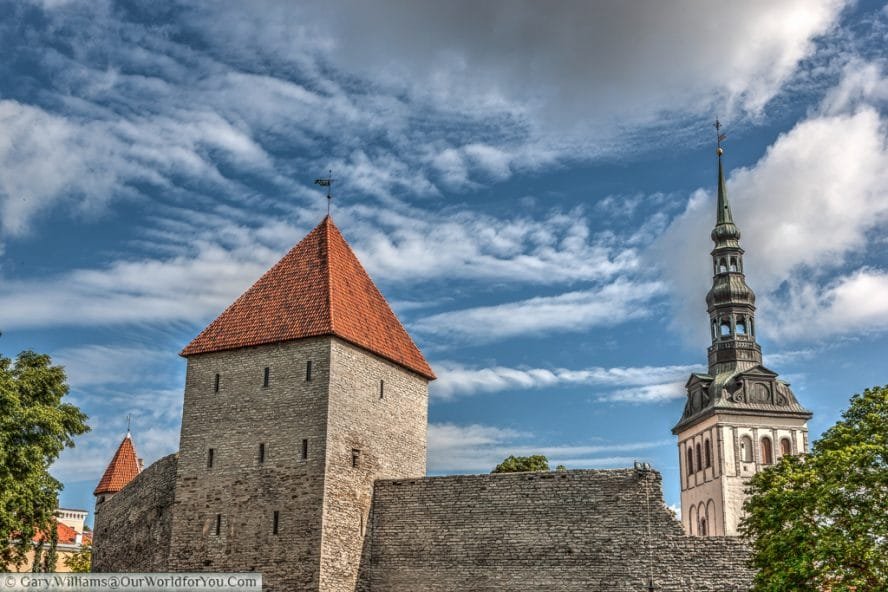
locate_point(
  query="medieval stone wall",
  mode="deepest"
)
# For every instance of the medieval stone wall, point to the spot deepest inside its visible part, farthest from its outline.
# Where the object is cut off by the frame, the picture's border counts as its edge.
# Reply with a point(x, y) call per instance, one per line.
point(562, 531)
point(132, 528)
point(378, 411)
point(224, 514)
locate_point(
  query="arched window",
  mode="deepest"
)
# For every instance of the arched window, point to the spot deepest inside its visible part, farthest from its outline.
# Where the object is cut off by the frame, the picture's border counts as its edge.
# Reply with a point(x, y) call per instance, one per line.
point(714, 329)
point(725, 327)
point(767, 452)
point(733, 266)
point(785, 447)
point(722, 265)
point(708, 448)
point(746, 449)
point(741, 325)
point(752, 327)
point(699, 458)
point(692, 521)
point(690, 459)
point(704, 519)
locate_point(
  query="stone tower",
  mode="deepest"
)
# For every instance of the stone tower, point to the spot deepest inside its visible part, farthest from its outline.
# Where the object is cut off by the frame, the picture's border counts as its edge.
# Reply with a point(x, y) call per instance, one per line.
point(298, 397)
point(739, 416)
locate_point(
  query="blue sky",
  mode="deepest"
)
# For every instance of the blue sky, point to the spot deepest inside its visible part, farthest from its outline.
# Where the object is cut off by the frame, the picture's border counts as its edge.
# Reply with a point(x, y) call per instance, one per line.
point(531, 186)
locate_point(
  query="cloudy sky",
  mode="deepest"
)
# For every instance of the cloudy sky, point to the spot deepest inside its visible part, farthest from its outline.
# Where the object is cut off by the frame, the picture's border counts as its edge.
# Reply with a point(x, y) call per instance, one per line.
point(530, 184)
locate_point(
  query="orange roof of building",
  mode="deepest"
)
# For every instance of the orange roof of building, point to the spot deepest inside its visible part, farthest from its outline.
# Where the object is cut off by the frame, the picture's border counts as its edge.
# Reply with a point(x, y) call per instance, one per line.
point(318, 288)
point(122, 469)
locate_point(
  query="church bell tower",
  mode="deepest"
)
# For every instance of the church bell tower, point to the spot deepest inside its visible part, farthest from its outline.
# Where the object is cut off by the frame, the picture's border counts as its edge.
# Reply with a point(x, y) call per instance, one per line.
point(739, 416)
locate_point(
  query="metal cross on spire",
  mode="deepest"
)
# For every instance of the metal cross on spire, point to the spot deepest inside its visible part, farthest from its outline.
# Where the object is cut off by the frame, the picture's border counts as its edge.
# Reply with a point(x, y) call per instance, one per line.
point(328, 183)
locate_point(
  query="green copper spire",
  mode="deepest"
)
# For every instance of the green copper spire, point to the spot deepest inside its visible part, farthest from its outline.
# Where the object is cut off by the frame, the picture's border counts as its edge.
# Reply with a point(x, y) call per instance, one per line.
point(725, 233)
point(724, 208)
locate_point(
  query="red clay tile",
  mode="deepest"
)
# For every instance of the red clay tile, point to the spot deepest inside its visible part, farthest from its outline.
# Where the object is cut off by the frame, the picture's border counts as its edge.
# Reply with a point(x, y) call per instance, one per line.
point(318, 288)
point(122, 469)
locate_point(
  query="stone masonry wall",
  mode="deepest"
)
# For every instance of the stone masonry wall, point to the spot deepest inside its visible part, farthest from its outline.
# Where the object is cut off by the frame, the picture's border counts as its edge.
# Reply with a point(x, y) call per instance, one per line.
point(132, 528)
point(242, 491)
point(561, 531)
point(389, 431)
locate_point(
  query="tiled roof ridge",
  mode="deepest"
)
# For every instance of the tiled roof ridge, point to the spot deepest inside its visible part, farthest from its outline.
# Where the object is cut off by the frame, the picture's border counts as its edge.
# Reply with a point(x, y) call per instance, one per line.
point(328, 227)
point(189, 349)
point(332, 228)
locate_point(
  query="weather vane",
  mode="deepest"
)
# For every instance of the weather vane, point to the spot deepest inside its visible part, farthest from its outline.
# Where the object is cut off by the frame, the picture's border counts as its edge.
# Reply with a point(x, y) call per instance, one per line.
point(328, 183)
point(719, 137)
point(129, 421)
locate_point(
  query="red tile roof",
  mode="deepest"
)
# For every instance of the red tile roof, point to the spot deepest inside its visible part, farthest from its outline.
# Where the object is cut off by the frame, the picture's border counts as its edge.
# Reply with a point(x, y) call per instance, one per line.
point(122, 469)
point(318, 288)
point(67, 535)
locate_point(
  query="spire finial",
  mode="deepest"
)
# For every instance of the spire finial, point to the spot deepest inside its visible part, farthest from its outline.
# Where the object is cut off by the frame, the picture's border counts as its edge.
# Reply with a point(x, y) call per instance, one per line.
point(328, 183)
point(719, 138)
point(129, 422)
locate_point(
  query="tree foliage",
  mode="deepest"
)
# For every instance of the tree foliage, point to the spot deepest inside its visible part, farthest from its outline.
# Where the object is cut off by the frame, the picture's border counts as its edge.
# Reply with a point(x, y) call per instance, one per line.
point(35, 426)
point(820, 521)
point(81, 561)
point(520, 464)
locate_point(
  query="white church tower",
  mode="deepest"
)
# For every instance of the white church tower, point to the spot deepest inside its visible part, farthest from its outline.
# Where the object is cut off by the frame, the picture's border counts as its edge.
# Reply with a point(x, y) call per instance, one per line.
point(739, 417)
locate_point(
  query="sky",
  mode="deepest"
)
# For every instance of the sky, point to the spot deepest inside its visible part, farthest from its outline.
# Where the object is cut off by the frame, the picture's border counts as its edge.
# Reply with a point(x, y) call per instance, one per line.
point(531, 185)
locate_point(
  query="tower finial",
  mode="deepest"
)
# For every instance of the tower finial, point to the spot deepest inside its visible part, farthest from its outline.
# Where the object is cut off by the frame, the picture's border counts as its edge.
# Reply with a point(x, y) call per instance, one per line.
point(719, 138)
point(129, 421)
point(328, 183)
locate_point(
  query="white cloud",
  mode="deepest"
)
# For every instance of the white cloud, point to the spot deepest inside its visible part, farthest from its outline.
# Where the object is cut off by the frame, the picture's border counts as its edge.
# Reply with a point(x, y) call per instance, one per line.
point(850, 304)
point(652, 393)
point(403, 97)
point(556, 248)
point(647, 382)
point(94, 365)
point(608, 305)
point(862, 83)
point(578, 65)
point(479, 448)
point(204, 261)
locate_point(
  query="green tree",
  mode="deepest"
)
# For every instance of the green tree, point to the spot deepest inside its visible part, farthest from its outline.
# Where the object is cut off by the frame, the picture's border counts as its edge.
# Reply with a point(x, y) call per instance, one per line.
point(519, 464)
point(820, 521)
point(35, 426)
point(81, 561)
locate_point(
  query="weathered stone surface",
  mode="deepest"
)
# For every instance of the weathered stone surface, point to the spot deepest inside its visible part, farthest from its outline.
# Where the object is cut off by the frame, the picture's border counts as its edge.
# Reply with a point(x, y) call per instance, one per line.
point(561, 531)
point(132, 528)
point(244, 492)
point(390, 433)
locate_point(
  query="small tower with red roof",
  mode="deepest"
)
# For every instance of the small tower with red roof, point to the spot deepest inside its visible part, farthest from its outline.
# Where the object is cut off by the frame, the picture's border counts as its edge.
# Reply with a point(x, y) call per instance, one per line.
point(123, 468)
point(298, 397)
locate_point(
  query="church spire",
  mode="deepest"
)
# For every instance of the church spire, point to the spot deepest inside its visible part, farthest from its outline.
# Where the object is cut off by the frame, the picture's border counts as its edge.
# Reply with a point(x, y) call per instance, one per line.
point(724, 208)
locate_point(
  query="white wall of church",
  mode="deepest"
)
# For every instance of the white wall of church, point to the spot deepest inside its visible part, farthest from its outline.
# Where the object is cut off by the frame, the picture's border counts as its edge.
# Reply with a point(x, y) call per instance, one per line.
point(717, 457)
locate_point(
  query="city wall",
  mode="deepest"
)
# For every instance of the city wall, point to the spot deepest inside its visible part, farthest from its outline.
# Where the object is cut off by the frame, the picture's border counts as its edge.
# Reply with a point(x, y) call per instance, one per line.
point(599, 530)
